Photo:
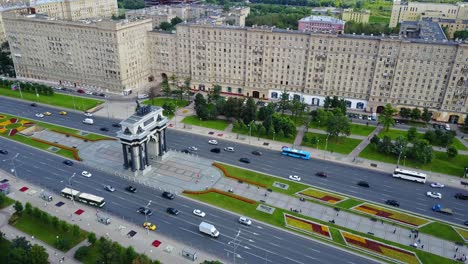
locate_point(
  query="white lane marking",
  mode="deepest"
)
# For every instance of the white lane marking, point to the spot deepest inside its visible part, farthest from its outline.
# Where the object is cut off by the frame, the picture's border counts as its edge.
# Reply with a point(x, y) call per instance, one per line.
point(263, 259)
point(293, 260)
point(278, 238)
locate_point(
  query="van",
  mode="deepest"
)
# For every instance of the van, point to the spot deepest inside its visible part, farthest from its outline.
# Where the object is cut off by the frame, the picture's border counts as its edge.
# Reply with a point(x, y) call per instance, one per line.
point(88, 121)
point(46, 196)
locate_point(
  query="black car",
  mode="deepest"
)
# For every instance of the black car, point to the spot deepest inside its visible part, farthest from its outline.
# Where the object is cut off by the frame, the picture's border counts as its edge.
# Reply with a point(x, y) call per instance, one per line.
point(460, 196)
point(116, 125)
point(33, 104)
point(131, 189)
point(4, 152)
point(68, 162)
point(168, 195)
point(103, 95)
point(172, 211)
point(105, 129)
point(215, 150)
point(466, 223)
point(257, 153)
point(145, 211)
point(321, 174)
point(185, 151)
point(393, 203)
point(363, 184)
point(244, 160)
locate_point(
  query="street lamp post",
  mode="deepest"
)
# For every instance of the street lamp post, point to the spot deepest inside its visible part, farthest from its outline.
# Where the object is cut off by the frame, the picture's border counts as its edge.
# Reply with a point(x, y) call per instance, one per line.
point(318, 141)
point(70, 184)
point(19, 88)
point(398, 162)
point(13, 170)
point(250, 130)
point(326, 146)
point(273, 135)
point(146, 215)
point(235, 243)
point(404, 161)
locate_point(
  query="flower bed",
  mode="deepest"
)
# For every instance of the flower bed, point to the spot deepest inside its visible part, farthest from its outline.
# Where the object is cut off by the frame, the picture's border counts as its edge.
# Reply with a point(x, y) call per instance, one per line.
point(227, 174)
point(81, 137)
point(240, 198)
point(307, 226)
point(379, 248)
point(73, 150)
point(322, 196)
point(391, 214)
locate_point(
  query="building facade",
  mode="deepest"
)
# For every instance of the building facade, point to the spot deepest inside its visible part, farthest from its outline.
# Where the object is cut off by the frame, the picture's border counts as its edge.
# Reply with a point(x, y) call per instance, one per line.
point(321, 24)
point(99, 54)
point(452, 25)
point(415, 11)
point(367, 71)
point(361, 16)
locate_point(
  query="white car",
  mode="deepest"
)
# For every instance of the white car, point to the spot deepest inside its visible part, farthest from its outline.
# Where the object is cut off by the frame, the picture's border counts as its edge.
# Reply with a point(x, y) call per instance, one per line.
point(40, 115)
point(437, 185)
point(434, 195)
point(245, 221)
point(199, 213)
point(88, 114)
point(213, 142)
point(192, 148)
point(294, 178)
point(89, 92)
point(86, 174)
point(229, 149)
point(109, 188)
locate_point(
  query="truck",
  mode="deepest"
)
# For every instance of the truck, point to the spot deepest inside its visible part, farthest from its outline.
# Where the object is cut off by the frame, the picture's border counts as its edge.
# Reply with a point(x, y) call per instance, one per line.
point(438, 208)
point(104, 219)
point(208, 229)
point(46, 196)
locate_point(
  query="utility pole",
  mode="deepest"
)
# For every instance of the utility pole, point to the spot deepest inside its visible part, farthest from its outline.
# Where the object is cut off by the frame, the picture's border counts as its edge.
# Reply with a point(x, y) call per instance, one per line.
point(70, 184)
point(146, 215)
point(235, 243)
point(13, 170)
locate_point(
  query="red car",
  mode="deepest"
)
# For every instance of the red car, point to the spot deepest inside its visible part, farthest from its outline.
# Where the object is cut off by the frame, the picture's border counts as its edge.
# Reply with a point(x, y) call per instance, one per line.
point(81, 91)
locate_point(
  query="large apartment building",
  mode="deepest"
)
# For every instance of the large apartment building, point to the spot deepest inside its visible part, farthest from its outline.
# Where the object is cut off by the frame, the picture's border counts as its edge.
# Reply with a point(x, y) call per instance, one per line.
point(415, 11)
point(368, 71)
point(94, 54)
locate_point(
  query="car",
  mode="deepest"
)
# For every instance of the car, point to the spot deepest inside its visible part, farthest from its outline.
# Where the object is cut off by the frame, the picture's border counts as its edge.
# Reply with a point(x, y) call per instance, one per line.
point(434, 195)
point(144, 211)
point(95, 93)
point(245, 221)
point(109, 188)
point(186, 151)
point(81, 91)
point(40, 115)
point(257, 153)
point(116, 125)
point(172, 211)
point(102, 95)
point(215, 150)
point(213, 142)
point(321, 174)
point(192, 148)
point(86, 174)
point(149, 226)
point(105, 129)
point(199, 213)
point(88, 114)
point(363, 184)
point(294, 178)
point(229, 149)
point(168, 195)
point(244, 160)
point(461, 196)
point(47, 113)
point(130, 189)
point(89, 92)
point(33, 104)
point(393, 203)
point(3, 151)
point(68, 162)
point(437, 185)
point(466, 223)
point(63, 113)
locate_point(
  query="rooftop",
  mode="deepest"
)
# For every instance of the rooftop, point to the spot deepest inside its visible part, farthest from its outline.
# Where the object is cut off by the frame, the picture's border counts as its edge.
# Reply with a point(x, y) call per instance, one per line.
point(425, 29)
point(325, 19)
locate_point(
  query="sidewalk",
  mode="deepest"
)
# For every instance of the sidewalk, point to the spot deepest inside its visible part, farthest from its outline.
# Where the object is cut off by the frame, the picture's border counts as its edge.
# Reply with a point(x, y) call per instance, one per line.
point(345, 219)
point(169, 251)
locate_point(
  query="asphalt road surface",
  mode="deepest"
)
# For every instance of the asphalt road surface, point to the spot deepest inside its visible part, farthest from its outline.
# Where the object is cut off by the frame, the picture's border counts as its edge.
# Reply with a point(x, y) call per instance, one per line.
point(258, 243)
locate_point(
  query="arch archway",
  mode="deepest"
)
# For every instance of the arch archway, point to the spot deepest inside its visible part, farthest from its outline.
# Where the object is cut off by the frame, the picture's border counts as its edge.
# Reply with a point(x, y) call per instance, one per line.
point(315, 101)
point(380, 109)
point(164, 76)
point(348, 104)
point(454, 119)
point(256, 94)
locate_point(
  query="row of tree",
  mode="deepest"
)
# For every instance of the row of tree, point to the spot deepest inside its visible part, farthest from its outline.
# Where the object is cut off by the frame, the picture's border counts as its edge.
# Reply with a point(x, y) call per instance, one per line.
point(369, 28)
point(334, 120)
point(275, 124)
point(416, 114)
point(21, 251)
point(27, 87)
point(131, 4)
point(170, 26)
point(420, 151)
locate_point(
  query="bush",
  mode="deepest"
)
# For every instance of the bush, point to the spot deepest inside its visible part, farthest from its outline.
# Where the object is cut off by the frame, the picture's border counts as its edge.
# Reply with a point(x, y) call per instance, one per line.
point(55, 222)
point(452, 152)
point(37, 213)
point(18, 207)
point(92, 238)
point(28, 209)
point(81, 253)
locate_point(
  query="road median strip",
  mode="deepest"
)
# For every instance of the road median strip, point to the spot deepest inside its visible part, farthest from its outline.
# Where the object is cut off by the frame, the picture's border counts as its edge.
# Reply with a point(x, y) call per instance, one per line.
point(307, 226)
point(389, 214)
point(322, 196)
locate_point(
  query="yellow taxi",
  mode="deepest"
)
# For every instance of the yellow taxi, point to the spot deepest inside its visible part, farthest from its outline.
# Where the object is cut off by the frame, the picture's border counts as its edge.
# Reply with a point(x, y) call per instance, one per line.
point(62, 112)
point(149, 226)
point(47, 113)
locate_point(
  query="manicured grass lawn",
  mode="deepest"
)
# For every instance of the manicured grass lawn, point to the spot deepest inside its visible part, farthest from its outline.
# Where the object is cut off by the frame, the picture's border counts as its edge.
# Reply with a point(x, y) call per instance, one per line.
point(349, 203)
point(463, 232)
point(457, 144)
point(361, 130)
point(162, 101)
point(61, 100)
point(289, 139)
point(46, 233)
point(7, 201)
point(341, 145)
point(213, 124)
point(442, 231)
point(394, 133)
point(440, 163)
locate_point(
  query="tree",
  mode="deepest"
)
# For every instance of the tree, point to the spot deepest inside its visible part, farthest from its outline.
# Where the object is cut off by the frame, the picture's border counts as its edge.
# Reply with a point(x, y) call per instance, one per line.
point(187, 86)
point(249, 111)
point(415, 114)
point(199, 100)
point(92, 238)
point(422, 151)
point(375, 140)
point(166, 26)
point(214, 93)
point(337, 125)
point(426, 116)
point(130, 254)
point(229, 107)
point(411, 134)
point(21, 242)
point(166, 88)
point(461, 34)
point(386, 117)
point(452, 151)
point(176, 20)
point(400, 145)
point(284, 103)
point(28, 208)
point(18, 207)
point(268, 110)
point(39, 255)
point(386, 146)
point(169, 108)
point(405, 112)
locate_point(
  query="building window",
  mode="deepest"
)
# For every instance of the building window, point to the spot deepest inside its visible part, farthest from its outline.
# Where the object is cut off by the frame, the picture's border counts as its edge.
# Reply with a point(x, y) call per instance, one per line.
point(239, 90)
point(229, 89)
point(274, 95)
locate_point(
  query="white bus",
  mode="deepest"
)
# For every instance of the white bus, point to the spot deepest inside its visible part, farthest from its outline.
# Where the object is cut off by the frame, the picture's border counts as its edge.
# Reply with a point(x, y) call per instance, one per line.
point(83, 197)
point(410, 175)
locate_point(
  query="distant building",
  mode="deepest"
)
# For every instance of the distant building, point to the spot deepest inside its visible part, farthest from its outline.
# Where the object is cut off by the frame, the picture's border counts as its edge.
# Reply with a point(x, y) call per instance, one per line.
point(149, 3)
point(361, 16)
point(452, 25)
point(326, 11)
point(424, 29)
point(321, 24)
